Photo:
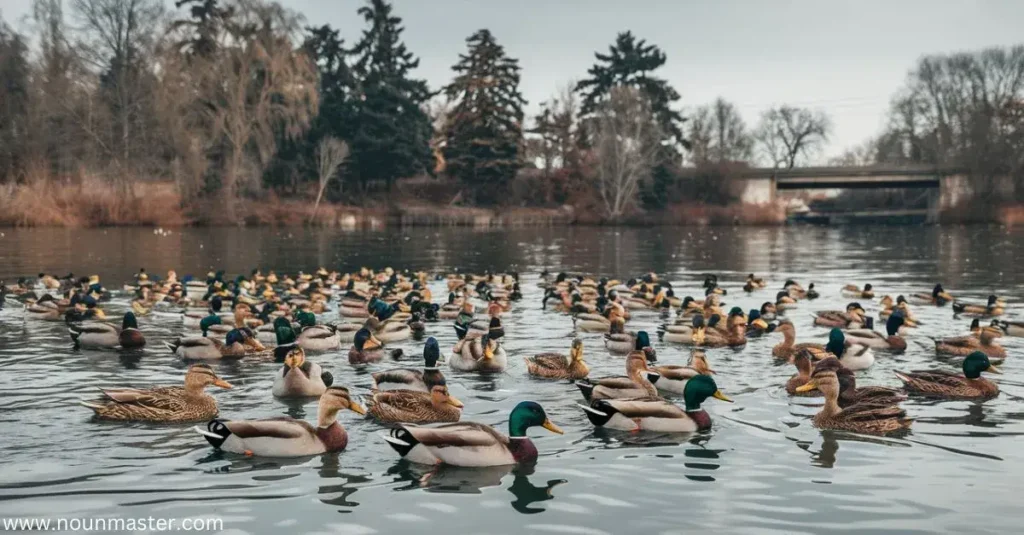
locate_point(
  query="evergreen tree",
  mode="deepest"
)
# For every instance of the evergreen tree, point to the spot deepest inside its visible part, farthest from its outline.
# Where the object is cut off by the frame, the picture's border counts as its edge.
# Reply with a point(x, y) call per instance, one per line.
point(392, 133)
point(206, 19)
point(485, 136)
point(14, 100)
point(632, 62)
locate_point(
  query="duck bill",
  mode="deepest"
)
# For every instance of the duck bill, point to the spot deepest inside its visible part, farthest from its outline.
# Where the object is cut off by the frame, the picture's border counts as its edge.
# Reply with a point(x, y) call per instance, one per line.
point(807, 387)
point(993, 369)
point(488, 352)
point(454, 402)
point(372, 343)
point(357, 408)
point(719, 395)
point(550, 426)
point(223, 384)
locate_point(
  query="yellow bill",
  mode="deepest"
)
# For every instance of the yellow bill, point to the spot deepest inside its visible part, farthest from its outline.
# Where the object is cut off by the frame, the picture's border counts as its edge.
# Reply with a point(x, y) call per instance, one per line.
point(550, 426)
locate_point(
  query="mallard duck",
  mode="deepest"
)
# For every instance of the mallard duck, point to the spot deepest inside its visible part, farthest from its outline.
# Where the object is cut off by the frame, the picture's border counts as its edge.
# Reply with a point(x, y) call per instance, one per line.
point(753, 283)
point(300, 378)
point(852, 355)
point(473, 444)
point(389, 331)
point(811, 292)
point(965, 345)
point(314, 337)
point(711, 286)
point(768, 311)
point(803, 360)
point(757, 326)
point(45, 308)
point(673, 378)
point(853, 318)
point(163, 404)
point(451, 309)
point(854, 291)
point(735, 335)
point(558, 366)
point(1010, 328)
point(414, 407)
point(99, 335)
point(860, 417)
point(889, 307)
point(479, 353)
point(683, 333)
point(656, 414)
point(874, 339)
point(784, 301)
point(990, 309)
point(938, 297)
point(945, 384)
point(410, 378)
point(793, 289)
point(286, 437)
point(636, 383)
point(205, 348)
point(849, 394)
point(365, 348)
point(788, 347)
point(620, 342)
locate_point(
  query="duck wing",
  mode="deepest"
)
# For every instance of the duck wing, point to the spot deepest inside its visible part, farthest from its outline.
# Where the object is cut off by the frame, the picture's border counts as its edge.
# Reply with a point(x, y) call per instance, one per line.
point(462, 434)
point(550, 361)
point(933, 381)
point(284, 428)
point(868, 412)
point(676, 372)
point(165, 399)
point(645, 408)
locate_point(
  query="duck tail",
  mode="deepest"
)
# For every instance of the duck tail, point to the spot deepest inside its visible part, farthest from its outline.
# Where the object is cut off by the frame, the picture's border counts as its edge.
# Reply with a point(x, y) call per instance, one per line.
point(74, 332)
point(216, 432)
point(586, 388)
point(597, 417)
point(959, 308)
point(400, 440)
point(903, 377)
point(91, 405)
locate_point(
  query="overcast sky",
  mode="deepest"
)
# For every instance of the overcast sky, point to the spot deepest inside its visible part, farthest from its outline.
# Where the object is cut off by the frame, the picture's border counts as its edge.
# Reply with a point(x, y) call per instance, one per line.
point(846, 58)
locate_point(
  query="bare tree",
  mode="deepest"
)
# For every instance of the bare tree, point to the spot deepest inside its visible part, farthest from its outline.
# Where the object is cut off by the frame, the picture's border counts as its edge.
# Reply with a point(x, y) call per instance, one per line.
point(718, 134)
point(626, 140)
point(555, 136)
point(788, 133)
point(330, 154)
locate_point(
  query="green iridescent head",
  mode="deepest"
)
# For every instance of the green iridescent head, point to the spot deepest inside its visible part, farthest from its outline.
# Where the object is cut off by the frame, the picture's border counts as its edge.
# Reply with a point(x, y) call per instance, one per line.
point(836, 342)
point(700, 388)
point(529, 414)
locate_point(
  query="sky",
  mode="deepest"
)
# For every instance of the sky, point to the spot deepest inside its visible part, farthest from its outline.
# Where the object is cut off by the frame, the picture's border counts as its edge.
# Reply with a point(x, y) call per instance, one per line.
point(846, 58)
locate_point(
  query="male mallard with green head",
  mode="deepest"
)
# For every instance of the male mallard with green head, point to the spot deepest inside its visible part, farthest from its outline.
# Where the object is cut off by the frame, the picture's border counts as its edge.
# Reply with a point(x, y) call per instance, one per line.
point(411, 378)
point(98, 335)
point(945, 384)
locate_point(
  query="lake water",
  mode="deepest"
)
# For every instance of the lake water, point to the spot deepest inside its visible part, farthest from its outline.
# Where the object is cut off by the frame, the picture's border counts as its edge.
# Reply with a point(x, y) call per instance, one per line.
point(763, 468)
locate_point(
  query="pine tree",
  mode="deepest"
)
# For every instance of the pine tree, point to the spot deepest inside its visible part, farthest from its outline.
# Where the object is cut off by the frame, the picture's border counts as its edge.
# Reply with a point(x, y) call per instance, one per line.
point(632, 62)
point(484, 138)
point(391, 132)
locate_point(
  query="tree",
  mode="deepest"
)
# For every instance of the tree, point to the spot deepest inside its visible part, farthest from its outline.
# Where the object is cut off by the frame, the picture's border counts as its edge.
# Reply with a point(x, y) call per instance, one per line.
point(330, 154)
point(485, 132)
point(392, 132)
point(556, 140)
point(719, 135)
point(201, 31)
point(14, 100)
point(627, 137)
point(632, 62)
point(787, 133)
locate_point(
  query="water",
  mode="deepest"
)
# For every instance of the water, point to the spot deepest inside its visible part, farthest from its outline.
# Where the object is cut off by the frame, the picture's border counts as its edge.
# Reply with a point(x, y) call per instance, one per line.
point(763, 468)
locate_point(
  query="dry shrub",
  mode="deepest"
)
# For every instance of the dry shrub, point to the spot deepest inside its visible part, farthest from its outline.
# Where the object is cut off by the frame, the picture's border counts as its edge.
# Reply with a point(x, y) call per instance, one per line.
point(1011, 215)
point(88, 201)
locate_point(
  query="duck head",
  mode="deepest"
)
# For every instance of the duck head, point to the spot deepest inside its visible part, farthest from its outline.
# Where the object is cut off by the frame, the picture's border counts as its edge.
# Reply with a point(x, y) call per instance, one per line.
point(700, 388)
point(978, 362)
point(529, 414)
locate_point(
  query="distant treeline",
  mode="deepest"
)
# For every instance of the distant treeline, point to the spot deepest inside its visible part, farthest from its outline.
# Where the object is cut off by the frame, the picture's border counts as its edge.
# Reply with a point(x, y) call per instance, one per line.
point(235, 102)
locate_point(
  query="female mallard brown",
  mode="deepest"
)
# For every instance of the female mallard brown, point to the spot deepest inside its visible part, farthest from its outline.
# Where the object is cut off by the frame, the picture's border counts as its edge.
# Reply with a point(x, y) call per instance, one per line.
point(938, 297)
point(788, 347)
point(803, 361)
point(673, 378)
point(656, 414)
point(860, 417)
point(479, 353)
point(991, 309)
point(849, 394)
point(965, 345)
point(945, 384)
point(164, 404)
point(286, 437)
point(412, 407)
point(853, 318)
point(635, 384)
point(852, 290)
point(753, 283)
point(410, 378)
point(558, 366)
point(472, 444)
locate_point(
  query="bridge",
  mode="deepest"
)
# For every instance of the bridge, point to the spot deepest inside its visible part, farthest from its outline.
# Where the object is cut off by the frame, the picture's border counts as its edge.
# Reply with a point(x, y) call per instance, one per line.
point(946, 185)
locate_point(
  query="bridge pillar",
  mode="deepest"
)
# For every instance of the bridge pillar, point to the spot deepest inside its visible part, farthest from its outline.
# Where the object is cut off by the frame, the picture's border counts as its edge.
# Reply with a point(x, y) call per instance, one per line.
point(934, 205)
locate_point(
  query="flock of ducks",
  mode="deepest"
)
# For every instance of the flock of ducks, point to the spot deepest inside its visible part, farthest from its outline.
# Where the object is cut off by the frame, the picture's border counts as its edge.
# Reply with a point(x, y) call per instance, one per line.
point(281, 320)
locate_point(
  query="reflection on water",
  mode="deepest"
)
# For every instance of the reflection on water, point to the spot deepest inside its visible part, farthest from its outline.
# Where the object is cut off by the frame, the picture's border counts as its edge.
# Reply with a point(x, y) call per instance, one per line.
point(763, 467)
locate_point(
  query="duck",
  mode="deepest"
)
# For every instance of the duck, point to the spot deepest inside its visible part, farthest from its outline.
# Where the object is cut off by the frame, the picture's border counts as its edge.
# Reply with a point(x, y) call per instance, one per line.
point(314, 337)
point(812, 293)
point(45, 308)
point(854, 291)
point(683, 333)
point(415, 407)
point(793, 289)
point(365, 348)
point(480, 354)
point(788, 348)
point(672, 378)
point(984, 342)
point(558, 366)
point(388, 331)
point(757, 326)
point(945, 384)
point(472, 444)
point(420, 380)
point(768, 311)
point(803, 360)
point(865, 418)
point(849, 394)
point(938, 297)
point(1009, 328)
point(657, 414)
point(852, 318)
point(876, 340)
point(890, 307)
point(734, 335)
point(300, 378)
point(98, 335)
point(620, 342)
point(851, 354)
point(991, 309)
point(636, 383)
point(753, 283)
point(188, 403)
point(451, 309)
point(784, 301)
point(204, 348)
point(286, 437)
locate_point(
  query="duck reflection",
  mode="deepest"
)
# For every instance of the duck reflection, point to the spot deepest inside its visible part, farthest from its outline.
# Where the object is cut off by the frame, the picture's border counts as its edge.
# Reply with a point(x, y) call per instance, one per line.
point(527, 494)
point(239, 463)
point(972, 415)
point(827, 454)
point(461, 480)
point(616, 438)
point(340, 493)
